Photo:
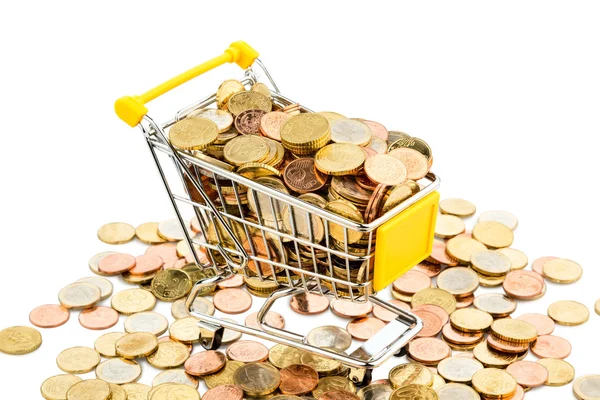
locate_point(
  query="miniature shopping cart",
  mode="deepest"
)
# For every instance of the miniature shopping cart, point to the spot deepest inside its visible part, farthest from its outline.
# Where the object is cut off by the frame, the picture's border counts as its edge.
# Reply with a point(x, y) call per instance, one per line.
point(403, 235)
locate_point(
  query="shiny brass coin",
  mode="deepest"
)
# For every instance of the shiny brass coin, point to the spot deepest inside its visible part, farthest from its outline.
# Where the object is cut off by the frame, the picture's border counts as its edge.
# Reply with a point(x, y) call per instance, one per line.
point(386, 170)
point(175, 376)
point(224, 376)
point(261, 88)
point(283, 356)
point(471, 320)
point(135, 345)
point(587, 387)
point(118, 371)
point(305, 133)
point(329, 336)
point(19, 340)
point(79, 295)
point(410, 373)
point(414, 391)
point(132, 301)
point(503, 217)
point(458, 281)
point(56, 387)
point(313, 199)
point(493, 234)
point(116, 233)
point(331, 116)
point(185, 330)
point(435, 296)
point(456, 391)
point(397, 194)
point(226, 90)
point(322, 365)
point(193, 133)
point(412, 143)
point(567, 312)
point(458, 207)
point(350, 131)
point(105, 344)
point(248, 100)
point(223, 119)
point(597, 307)
point(447, 226)
point(169, 355)
point(330, 383)
point(257, 379)
point(257, 170)
point(169, 391)
point(461, 248)
point(339, 159)
point(560, 372)
point(136, 391)
point(349, 211)
point(517, 258)
point(494, 383)
point(490, 263)
point(514, 330)
point(78, 360)
point(492, 358)
point(490, 281)
point(459, 369)
point(246, 149)
point(496, 304)
point(171, 284)
point(91, 389)
point(148, 233)
point(560, 270)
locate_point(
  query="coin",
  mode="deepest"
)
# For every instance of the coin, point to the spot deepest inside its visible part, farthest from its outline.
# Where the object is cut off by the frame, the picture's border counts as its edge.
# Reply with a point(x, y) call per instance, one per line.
point(432, 323)
point(185, 330)
point(523, 285)
point(560, 372)
point(491, 358)
point(560, 270)
point(330, 383)
point(378, 145)
point(514, 330)
point(56, 387)
point(347, 210)
point(493, 234)
point(496, 304)
point(91, 389)
point(170, 230)
point(339, 159)
point(490, 263)
point(462, 248)
point(193, 134)
point(224, 376)
point(329, 337)
point(350, 131)
point(459, 369)
point(438, 254)
point(146, 264)
point(166, 251)
point(323, 365)
point(270, 124)
point(375, 391)
point(458, 207)
point(548, 346)
point(117, 392)
point(201, 305)
point(205, 363)
point(298, 379)
point(364, 328)
point(132, 301)
point(116, 233)
point(224, 392)
point(227, 89)
point(19, 340)
point(414, 391)
point(169, 354)
point(282, 356)
point(93, 263)
point(448, 226)
point(428, 350)
point(174, 391)
point(243, 100)
point(245, 149)
point(236, 280)
point(471, 320)
point(115, 264)
point(538, 264)
point(416, 163)
point(436, 297)
point(385, 169)
point(528, 374)
point(257, 379)
point(301, 176)
point(309, 303)
point(135, 345)
point(78, 360)
point(171, 284)
point(298, 225)
point(386, 315)
point(118, 371)
point(587, 387)
point(148, 321)
point(517, 258)
point(136, 391)
point(79, 295)
point(494, 383)
point(502, 217)
point(543, 324)
point(105, 286)
point(105, 344)
point(333, 395)
point(148, 233)
point(98, 318)
point(349, 309)
point(247, 351)
point(454, 336)
point(248, 122)
point(265, 205)
point(410, 373)
point(456, 391)
point(458, 281)
point(223, 119)
point(175, 376)
point(506, 346)
point(232, 301)
point(49, 316)
point(567, 312)
point(331, 116)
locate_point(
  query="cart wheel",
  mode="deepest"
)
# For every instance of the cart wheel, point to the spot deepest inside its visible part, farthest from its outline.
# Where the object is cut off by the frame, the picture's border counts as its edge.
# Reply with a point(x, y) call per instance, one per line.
point(211, 340)
point(402, 352)
point(360, 376)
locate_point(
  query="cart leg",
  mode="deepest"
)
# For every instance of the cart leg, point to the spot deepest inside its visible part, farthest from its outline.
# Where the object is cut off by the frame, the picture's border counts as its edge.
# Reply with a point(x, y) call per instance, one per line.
point(210, 335)
point(360, 376)
point(402, 352)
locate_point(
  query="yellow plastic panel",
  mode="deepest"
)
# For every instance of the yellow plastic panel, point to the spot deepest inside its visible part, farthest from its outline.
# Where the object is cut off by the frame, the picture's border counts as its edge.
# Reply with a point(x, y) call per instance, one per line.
point(405, 240)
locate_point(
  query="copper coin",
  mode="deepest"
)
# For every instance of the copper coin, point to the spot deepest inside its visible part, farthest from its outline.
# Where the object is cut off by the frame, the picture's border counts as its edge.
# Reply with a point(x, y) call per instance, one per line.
point(528, 373)
point(375, 203)
point(386, 169)
point(301, 176)
point(364, 182)
point(146, 264)
point(369, 152)
point(270, 124)
point(350, 309)
point(465, 301)
point(429, 269)
point(432, 324)
point(205, 363)
point(543, 323)
point(364, 328)
point(377, 129)
point(386, 315)
point(519, 394)
point(298, 379)
point(437, 310)
point(338, 395)
point(247, 351)
point(49, 316)
point(166, 251)
point(116, 264)
point(538, 265)
point(236, 280)
point(549, 346)
point(461, 338)
point(523, 285)
point(439, 255)
point(428, 350)
point(309, 303)
point(98, 318)
point(176, 264)
point(248, 122)
point(411, 282)
point(232, 301)
point(272, 319)
point(224, 392)
point(505, 346)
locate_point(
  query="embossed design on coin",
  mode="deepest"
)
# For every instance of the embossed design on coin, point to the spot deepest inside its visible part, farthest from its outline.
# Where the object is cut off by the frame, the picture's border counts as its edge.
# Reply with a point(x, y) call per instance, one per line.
point(364, 328)
point(49, 316)
point(257, 379)
point(119, 371)
point(302, 176)
point(298, 379)
point(98, 318)
point(224, 392)
point(205, 363)
point(568, 312)
point(193, 134)
point(56, 387)
point(247, 351)
point(416, 164)
point(309, 303)
point(243, 101)
point(78, 360)
point(386, 169)
point(79, 295)
point(91, 389)
point(248, 122)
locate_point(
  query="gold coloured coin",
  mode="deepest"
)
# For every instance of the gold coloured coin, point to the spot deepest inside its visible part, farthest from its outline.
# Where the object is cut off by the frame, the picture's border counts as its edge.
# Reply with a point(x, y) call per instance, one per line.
point(560, 372)
point(79, 295)
point(503, 217)
point(447, 226)
point(302, 228)
point(132, 301)
point(350, 131)
point(257, 379)
point(471, 320)
point(91, 389)
point(494, 383)
point(493, 234)
point(410, 142)
point(410, 373)
point(119, 371)
point(19, 340)
point(456, 391)
point(490, 263)
point(339, 159)
point(461, 248)
point(116, 233)
point(567, 312)
point(385, 169)
point(226, 90)
point(169, 391)
point(435, 296)
point(171, 284)
point(458, 281)
point(135, 345)
point(248, 100)
point(587, 387)
point(283, 356)
point(397, 194)
point(175, 376)
point(305, 133)
point(459, 369)
point(148, 321)
point(224, 376)
point(148, 233)
point(185, 330)
point(597, 307)
point(331, 116)
point(458, 207)
point(437, 382)
point(169, 354)
point(136, 391)
point(193, 133)
point(514, 330)
point(223, 119)
point(78, 360)
point(56, 387)
point(330, 383)
point(246, 149)
point(261, 88)
point(262, 203)
point(349, 211)
point(322, 365)
point(560, 270)
point(414, 391)
point(117, 392)
point(517, 258)
point(105, 344)
point(492, 358)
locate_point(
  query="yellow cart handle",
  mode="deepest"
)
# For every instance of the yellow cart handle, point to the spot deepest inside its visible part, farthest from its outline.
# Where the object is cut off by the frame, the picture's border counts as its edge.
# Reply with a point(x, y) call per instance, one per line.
point(132, 109)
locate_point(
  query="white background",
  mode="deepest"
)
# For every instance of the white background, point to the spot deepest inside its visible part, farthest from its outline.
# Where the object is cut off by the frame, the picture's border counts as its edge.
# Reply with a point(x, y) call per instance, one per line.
point(506, 94)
